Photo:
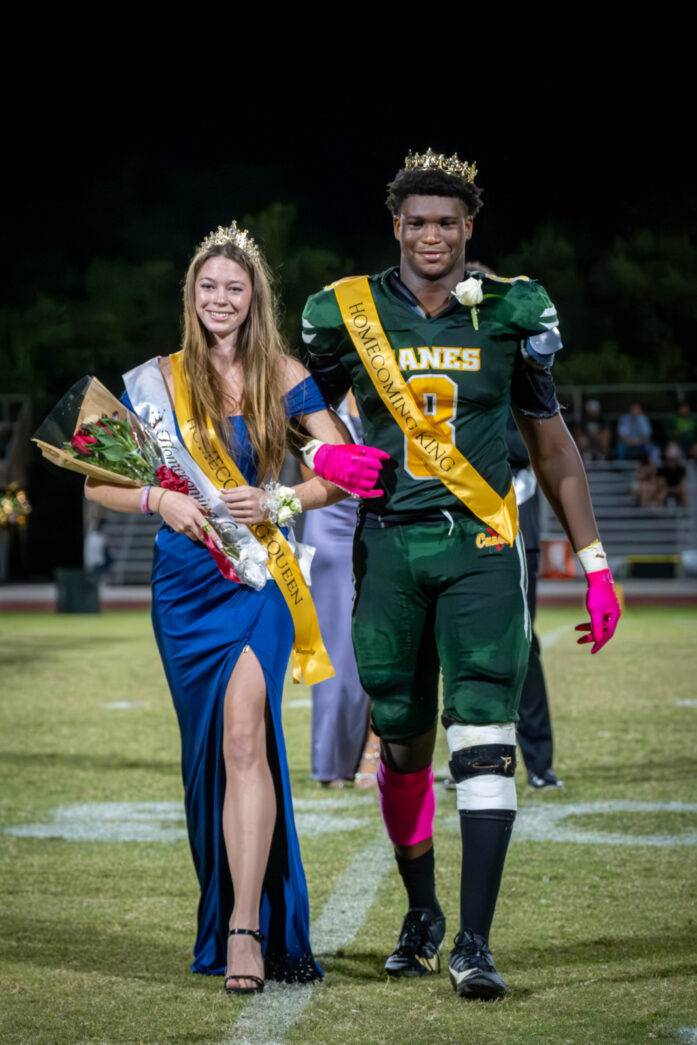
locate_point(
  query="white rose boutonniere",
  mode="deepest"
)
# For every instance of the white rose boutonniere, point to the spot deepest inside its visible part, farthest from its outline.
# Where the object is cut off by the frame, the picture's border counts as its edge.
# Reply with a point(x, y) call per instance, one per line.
point(469, 292)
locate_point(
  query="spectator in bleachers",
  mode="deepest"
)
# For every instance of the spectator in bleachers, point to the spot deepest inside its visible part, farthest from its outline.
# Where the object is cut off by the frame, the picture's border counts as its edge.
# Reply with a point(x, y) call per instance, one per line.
point(594, 436)
point(672, 478)
point(634, 432)
point(682, 428)
point(645, 485)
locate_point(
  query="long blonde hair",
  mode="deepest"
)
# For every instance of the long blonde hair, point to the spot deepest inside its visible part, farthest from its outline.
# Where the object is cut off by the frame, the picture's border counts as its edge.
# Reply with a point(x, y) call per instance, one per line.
point(259, 347)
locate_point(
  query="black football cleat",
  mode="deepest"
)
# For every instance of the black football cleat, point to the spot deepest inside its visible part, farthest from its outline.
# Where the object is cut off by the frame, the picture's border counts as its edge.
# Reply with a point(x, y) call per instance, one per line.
point(417, 952)
point(472, 970)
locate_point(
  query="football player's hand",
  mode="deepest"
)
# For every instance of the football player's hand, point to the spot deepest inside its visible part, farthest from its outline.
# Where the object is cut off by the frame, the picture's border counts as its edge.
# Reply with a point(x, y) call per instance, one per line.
point(350, 466)
point(603, 609)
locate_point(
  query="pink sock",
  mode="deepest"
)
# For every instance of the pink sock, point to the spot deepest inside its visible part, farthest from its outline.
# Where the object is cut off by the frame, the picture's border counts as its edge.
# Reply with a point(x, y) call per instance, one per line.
point(407, 804)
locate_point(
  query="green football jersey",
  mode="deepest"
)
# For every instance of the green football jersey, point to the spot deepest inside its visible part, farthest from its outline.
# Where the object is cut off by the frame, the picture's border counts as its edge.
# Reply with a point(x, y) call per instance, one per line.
point(460, 377)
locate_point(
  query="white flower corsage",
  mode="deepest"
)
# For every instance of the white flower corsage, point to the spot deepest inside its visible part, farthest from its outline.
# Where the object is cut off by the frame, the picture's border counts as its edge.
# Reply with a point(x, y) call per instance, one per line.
point(469, 292)
point(282, 503)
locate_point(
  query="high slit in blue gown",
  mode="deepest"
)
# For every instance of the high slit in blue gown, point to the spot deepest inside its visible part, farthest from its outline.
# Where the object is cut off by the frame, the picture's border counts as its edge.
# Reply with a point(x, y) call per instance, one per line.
point(202, 622)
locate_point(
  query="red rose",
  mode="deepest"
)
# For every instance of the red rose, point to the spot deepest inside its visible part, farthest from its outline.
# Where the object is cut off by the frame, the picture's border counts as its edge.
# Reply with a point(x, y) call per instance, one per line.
point(82, 442)
point(169, 480)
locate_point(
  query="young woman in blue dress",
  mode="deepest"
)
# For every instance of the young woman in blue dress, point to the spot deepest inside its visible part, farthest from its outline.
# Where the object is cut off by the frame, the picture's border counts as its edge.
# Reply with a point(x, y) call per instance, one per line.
point(225, 646)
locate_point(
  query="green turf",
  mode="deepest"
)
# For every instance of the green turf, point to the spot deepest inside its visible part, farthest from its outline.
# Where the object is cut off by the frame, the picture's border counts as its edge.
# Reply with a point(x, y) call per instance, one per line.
point(596, 941)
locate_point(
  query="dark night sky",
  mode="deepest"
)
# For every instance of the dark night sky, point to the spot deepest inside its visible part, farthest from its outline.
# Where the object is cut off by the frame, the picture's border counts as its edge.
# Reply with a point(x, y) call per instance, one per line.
point(120, 147)
point(165, 155)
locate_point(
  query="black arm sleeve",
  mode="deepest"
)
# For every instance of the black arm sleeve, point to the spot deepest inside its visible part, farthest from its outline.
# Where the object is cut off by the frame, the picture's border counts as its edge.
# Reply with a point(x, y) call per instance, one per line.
point(330, 374)
point(532, 389)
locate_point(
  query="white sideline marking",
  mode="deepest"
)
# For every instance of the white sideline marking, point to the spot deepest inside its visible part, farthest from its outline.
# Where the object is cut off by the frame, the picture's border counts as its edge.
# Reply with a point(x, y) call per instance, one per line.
point(544, 823)
point(164, 821)
point(686, 703)
point(301, 702)
point(550, 637)
point(267, 1020)
point(110, 822)
point(124, 705)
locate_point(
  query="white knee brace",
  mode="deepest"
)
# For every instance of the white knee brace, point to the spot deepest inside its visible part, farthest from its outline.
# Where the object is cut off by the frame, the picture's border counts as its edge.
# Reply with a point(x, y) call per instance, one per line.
point(482, 765)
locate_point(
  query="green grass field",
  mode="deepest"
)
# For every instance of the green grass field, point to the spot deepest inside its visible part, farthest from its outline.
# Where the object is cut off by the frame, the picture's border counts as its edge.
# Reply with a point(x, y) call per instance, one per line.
point(595, 928)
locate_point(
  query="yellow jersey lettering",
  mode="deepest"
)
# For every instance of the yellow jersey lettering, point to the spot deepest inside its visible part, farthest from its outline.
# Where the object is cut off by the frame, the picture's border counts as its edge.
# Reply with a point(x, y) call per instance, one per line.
point(484, 540)
point(436, 358)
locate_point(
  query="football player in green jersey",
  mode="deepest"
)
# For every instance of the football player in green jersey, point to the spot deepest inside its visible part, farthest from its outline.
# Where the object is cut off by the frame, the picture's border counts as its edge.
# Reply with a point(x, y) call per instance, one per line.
point(436, 362)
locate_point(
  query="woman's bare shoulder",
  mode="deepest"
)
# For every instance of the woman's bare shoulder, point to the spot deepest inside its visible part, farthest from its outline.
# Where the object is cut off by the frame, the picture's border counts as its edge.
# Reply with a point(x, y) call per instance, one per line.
point(290, 372)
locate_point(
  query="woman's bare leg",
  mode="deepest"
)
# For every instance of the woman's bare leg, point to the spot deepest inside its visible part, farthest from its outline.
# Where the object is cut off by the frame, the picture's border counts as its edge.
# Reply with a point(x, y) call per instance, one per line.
point(249, 809)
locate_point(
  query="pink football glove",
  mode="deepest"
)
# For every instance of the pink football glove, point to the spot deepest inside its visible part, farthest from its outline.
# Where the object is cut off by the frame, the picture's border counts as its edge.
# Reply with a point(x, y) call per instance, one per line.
point(351, 467)
point(603, 608)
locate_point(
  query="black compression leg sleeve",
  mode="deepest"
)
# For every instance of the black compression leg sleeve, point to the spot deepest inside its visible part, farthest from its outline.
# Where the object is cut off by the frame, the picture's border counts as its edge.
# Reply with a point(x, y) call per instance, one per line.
point(485, 838)
point(420, 881)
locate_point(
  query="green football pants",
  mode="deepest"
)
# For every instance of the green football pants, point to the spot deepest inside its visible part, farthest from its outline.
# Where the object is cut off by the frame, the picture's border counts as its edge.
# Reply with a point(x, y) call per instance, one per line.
point(430, 599)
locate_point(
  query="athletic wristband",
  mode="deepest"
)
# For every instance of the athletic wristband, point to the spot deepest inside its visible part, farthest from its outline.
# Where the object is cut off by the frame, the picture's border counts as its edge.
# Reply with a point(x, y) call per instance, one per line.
point(593, 558)
point(308, 452)
point(144, 509)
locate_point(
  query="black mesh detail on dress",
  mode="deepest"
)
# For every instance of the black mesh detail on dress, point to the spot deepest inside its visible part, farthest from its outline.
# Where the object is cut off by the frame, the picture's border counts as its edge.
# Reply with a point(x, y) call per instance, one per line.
point(285, 969)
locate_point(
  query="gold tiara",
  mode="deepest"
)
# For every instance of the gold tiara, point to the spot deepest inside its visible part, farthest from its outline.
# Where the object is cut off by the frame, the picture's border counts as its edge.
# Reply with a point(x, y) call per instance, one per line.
point(431, 161)
point(232, 234)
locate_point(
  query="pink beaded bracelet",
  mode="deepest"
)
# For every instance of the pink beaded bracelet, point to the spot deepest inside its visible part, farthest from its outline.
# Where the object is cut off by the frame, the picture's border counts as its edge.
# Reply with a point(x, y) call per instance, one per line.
point(144, 509)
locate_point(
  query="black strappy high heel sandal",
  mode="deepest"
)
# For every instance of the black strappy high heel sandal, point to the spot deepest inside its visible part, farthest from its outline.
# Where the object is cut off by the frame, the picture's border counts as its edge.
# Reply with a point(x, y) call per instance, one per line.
point(259, 983)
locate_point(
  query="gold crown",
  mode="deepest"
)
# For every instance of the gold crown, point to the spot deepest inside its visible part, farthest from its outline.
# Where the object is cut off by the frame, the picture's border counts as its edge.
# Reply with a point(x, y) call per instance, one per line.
point(431, 161)
point(232, 234)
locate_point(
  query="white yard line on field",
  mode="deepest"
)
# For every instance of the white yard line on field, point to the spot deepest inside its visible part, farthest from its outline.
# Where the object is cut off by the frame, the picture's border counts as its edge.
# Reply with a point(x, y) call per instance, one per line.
point(267, 1018)
point(550, 637)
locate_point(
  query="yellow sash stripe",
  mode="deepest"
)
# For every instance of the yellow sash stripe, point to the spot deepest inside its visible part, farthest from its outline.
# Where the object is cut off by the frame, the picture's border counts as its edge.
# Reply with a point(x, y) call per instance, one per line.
point(310, 658)
point(430, 443)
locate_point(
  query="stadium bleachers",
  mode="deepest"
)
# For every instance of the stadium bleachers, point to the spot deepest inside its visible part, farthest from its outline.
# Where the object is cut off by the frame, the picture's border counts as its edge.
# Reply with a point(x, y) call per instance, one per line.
point(626, 528)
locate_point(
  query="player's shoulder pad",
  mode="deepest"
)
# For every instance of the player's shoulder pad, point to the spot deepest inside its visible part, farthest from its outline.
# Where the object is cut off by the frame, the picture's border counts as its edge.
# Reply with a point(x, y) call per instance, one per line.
point(322, 326)
point(322, 309)
point(521, 304)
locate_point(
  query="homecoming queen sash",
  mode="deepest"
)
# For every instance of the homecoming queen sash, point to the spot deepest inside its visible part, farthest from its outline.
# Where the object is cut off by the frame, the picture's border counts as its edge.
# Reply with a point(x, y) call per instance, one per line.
point(428, 441)
point(148, 393)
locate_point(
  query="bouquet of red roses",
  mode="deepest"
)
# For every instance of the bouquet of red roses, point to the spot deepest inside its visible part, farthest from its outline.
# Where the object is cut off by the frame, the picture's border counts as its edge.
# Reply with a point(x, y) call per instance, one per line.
point(117, 446)
point(91, 432)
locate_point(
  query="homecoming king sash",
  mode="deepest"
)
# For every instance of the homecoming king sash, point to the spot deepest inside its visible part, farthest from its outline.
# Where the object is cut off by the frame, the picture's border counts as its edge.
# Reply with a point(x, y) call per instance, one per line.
point(429, 442)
